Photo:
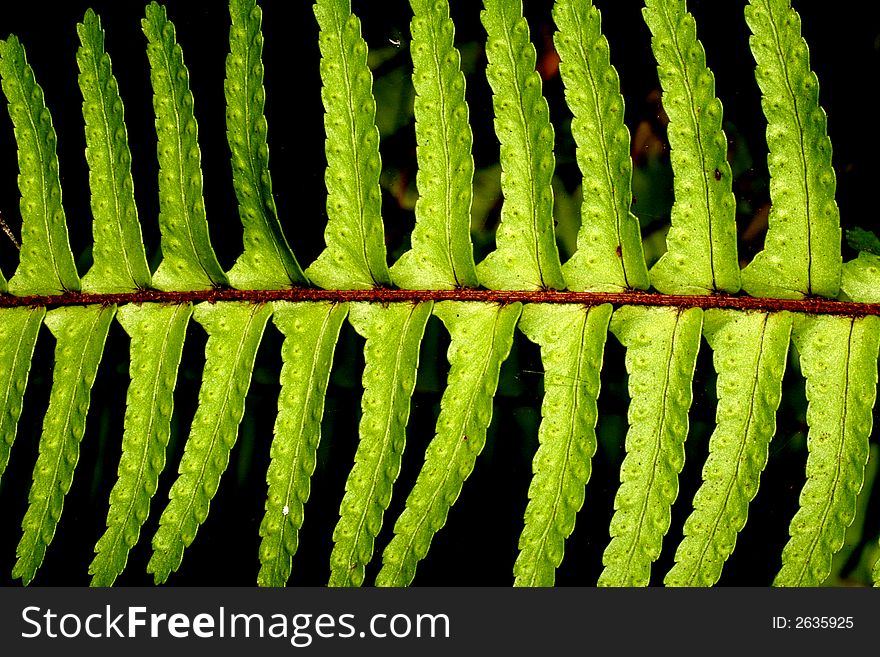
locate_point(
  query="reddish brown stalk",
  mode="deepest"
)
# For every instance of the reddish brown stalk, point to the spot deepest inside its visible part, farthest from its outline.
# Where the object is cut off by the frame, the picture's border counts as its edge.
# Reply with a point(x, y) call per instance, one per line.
point(817, 306)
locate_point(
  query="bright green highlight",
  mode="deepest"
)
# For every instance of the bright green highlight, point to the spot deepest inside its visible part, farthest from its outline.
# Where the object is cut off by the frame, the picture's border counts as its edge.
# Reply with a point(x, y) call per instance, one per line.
point(157, 335)
point(311, 331)
point(661, 352)
point(838, 357)
point(394, 333)
point(609, 256)
point(442, 256)
point(188, 260)
point(801, 253)
point(482, 335)
point(18, 335)
point(860, 280)
point(572, 340)
point(80, 332)
point(750, 352)
point(120, 263)
point(527, 257)
point(355, 254)
point(234, 333)
point(46, 263)
point(267, 261)
point(701, 244)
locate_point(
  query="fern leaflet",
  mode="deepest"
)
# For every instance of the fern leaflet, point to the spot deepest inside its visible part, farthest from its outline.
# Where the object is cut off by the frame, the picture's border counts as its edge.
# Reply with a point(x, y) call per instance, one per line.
point(311, 332)
point(157, 333)
point(393, 336)
point(234, 334)
point(80, 334)
point(572, 340)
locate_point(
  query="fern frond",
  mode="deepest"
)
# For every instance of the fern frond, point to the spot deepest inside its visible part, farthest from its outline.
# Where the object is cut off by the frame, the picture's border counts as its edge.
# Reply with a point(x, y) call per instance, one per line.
point(572, 340)
point(482, 335)
point(701, 256)
point(442, 256)
point(750, 353)
point(609, 256)
point(157, 335)
point(267, 261)
point(355, 254)
point(310, 335)
point(393, 335)
point(46, 265)
point(661, 352)
point(838, 357)
point(80, 332)
point(801, 253)
point(527, 257)
point(120, 262)
point(860, 280)
point(18, 335)
point(188, 260)
point(234, 333)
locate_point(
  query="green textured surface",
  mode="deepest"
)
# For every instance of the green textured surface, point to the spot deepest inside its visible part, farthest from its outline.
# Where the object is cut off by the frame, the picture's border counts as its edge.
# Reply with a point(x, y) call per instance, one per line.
point(157, 335)
point(355, 253)
point(838, 357)
point(267, 261)
point(188, 260)
point(46, 263)
point(120, 263)
point(18, 335)
point(482, 335)
point(572, 340)
point(526, 257)
point(661, 351)
point(750, 352)
point(234, 333)
point(609, 255)
point(80, 332)
point(311, 331)
point(860, 280)
point(393, 333)
point(801, 253)
point(701, 244)
point(442, 256)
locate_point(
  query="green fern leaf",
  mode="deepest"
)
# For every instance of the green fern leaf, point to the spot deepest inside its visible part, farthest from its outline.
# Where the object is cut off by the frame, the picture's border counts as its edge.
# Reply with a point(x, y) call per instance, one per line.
point(120, 262)
point(863, 240)
point(701, 256)
point(80, 332)
point(750, 352)
point(801, 253)
point(188, 262)
point(18, 335)
point(157, 334)
point(661, 352)
point(442, 255)
point(527, 257)
point(609, 256)
point(46, 265)
point(838, 357)
point(311, 331)
point(355, 254)
point(267, 261)
point(572, 340)
point(860, 280)
point(482, 335)
point(393, 335)
point(234, 333)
